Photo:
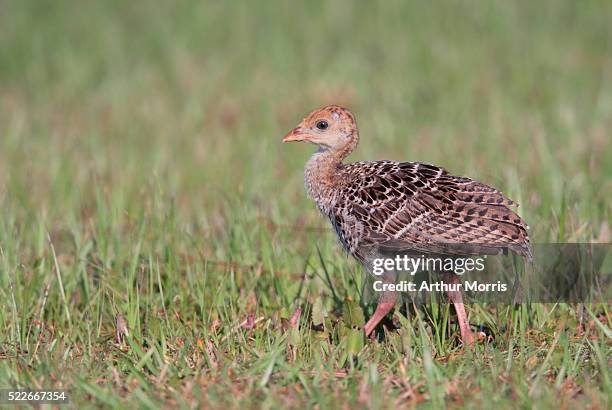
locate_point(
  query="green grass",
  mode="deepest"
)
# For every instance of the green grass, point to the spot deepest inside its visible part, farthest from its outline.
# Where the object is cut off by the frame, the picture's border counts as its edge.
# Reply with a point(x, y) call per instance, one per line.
point(142, 176)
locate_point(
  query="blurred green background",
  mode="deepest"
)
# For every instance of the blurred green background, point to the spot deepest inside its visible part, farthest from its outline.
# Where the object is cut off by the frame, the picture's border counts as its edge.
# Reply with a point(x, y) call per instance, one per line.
point(137, 137)
point(196, 95)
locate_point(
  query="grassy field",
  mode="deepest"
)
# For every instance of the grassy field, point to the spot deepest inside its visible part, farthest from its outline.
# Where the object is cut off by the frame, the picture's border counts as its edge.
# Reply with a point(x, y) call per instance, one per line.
point(143, 187)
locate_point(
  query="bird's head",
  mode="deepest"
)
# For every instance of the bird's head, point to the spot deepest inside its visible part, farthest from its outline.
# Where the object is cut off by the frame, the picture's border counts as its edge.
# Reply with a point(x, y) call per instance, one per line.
point(331, 127)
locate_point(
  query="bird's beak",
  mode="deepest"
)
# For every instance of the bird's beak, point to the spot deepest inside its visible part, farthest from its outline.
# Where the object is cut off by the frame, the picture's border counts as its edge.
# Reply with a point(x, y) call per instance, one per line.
point(294, 135)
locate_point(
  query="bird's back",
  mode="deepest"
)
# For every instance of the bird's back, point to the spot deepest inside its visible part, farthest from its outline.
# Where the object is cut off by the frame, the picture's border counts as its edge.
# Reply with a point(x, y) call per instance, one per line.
point(401, 206)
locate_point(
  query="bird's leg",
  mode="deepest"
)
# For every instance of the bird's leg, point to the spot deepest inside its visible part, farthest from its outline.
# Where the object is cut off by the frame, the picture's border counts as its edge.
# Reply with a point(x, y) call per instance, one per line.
point(386, 302)
point(457, 300)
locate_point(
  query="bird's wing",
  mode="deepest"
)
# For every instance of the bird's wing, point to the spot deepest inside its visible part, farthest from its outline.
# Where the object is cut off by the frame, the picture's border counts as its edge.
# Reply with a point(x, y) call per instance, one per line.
point(420, 206)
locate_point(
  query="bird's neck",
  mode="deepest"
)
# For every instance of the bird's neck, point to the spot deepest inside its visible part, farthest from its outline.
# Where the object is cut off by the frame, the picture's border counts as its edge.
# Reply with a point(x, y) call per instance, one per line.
point(322, 174)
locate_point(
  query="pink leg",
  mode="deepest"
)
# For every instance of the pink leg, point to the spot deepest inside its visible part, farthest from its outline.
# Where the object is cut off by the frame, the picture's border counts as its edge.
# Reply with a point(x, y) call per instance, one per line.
point(385, 304)
point(457, 300)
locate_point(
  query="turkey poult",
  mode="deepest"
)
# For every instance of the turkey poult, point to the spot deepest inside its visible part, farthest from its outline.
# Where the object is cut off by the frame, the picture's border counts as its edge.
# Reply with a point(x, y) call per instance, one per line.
point(381, 207)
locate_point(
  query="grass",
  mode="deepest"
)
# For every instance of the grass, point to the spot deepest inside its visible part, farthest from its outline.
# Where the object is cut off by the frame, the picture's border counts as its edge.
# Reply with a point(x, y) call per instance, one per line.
point(142, 180)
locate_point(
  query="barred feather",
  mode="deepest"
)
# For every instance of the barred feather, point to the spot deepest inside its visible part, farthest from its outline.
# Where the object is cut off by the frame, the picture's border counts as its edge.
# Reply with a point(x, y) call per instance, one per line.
point(403, 205)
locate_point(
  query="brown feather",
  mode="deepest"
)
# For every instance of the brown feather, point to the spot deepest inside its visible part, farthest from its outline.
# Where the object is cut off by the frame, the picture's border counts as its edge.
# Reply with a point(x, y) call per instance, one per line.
point(410, 205)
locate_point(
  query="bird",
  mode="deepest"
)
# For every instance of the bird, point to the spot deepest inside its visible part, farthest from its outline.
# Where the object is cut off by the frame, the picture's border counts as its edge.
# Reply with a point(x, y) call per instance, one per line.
point(377, 207)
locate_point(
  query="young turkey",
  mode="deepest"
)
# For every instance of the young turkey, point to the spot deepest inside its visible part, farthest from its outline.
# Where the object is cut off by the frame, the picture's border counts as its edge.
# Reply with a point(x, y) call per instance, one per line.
point(382, 207)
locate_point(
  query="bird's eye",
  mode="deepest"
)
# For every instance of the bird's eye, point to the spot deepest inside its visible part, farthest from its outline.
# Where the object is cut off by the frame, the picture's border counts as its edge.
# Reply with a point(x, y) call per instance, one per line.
point(322, 125)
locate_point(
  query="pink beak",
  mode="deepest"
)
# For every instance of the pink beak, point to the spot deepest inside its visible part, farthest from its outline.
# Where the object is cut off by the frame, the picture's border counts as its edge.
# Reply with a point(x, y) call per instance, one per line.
point(294, 135)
